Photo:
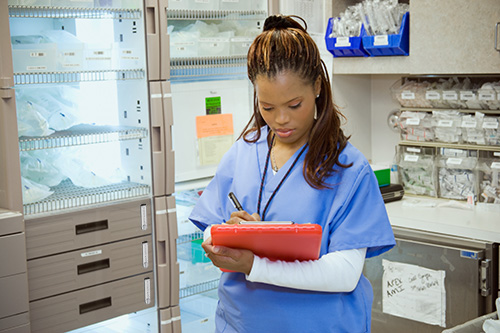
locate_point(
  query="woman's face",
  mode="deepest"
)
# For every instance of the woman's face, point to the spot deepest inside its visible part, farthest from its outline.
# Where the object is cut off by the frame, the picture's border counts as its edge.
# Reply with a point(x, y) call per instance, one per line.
point(287, 104)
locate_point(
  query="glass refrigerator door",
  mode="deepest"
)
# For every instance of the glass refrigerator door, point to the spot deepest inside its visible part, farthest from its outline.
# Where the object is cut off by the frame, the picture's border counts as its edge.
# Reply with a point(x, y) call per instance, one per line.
point(82, 102)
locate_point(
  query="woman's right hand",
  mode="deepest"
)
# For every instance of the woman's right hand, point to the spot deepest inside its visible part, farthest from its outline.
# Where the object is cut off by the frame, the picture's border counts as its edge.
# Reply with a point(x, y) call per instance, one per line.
point(241, 215)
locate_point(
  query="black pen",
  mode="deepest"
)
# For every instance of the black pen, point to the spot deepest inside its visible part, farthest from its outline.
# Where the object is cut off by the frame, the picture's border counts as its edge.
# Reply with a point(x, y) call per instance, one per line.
point(235, 201)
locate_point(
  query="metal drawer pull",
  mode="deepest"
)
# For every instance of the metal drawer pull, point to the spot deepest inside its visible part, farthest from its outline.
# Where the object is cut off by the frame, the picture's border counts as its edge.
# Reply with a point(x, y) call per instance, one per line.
point(496, 36)
point(91, 227)
point(93, 266)
point(95, 305)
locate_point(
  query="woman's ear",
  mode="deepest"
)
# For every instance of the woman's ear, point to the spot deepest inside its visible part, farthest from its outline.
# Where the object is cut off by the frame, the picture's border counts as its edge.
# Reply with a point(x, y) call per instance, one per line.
point(317, 86)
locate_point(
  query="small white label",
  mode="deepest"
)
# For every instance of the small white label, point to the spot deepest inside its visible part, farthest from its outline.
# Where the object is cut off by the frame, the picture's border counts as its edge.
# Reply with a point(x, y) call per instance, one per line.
point(445, 123)
point(467, 95)
point(469, 124)
point(234, 1)
point(432, 95)
point(36, 68)
point(413, 121)
point(145, 255)
point(486, 96)
point(450, 95)
point(405, 94)
point(37, 54)
point(144, 217)
point(495, 165)
point(342, 42)
point(413, 150)
point(490, 124)
point(496, 153)
point(381, 40)
point(454, 161)
point(90, 253)
point(147, 290)
point(411, 158)
point(202, 1)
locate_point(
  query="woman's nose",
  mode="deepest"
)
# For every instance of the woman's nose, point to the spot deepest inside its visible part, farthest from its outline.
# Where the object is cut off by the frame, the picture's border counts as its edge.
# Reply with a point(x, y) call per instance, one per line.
point(281, 116)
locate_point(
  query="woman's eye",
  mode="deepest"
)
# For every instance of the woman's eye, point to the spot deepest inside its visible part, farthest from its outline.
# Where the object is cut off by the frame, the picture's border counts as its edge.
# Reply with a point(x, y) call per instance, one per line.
point(295, 106)
point(266, 108)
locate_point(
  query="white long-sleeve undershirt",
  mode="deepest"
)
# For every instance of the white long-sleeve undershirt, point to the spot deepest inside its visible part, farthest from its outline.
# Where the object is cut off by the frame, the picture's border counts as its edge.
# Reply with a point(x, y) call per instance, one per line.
point(334, 272)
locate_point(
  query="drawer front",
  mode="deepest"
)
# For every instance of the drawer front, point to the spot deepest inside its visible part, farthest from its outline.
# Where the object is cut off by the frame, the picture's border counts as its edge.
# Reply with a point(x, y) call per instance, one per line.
point(13, 295)
point(91, 305)
point(10, 222)
point(12, 254)
point(69, 271)
point(68, 232)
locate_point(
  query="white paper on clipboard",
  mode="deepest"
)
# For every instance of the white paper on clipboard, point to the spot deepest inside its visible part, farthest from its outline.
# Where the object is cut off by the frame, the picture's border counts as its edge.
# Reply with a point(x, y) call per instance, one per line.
point(414, 292)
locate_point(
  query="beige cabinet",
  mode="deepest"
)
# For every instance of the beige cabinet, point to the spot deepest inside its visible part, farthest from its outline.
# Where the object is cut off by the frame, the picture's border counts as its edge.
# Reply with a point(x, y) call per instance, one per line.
point(446, 37)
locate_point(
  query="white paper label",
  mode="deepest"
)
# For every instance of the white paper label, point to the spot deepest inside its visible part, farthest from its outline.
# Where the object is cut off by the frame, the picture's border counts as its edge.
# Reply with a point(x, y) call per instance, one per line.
point(342, 42)
point(450, 95)
point(202, 1)
point(37, 54)
point(413, 121)
point(445, 123)
point(467, 95)
point(147, 291)
point(90, 253)
point(454, 161)
point(145, 255)
point(496, 153)
point(36, 68)
point(407, 95)
point(486, 96)
point(495, 165)
point(490, 125)
point(381, 40)
point(413, 150)
point(411, 158)
point(414, 292)
point(469, 124)
point(432, 95)
point(144, 217)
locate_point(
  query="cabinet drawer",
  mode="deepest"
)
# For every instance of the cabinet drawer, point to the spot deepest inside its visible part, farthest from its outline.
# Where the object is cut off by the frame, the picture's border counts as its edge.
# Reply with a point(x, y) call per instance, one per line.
point(91, 305)
point(12, 255)
point(69, 271)
point(13, 295)
point(68, 232)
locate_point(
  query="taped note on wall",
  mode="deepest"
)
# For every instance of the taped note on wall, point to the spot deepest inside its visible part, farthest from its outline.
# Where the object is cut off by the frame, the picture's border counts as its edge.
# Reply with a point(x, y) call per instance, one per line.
point(414, 292)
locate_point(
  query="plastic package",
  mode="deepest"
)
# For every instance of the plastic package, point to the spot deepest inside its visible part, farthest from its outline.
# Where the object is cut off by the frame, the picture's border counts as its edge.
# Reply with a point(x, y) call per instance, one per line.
point(416, 126)
point(69, 49)
point(456, 174)
point(37, 166)
point(489, 173)
point(411, 93)
point(491, 130)
point(33, 53)
point(33, 192)
point(447, 126)
point(416, 168)
point(30, 121)
point(472, 131)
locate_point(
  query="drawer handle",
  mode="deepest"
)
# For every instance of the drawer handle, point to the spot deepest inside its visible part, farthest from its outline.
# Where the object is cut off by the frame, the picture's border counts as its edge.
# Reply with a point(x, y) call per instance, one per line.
point(91, 227)
point(93, 266)
point(95, 305)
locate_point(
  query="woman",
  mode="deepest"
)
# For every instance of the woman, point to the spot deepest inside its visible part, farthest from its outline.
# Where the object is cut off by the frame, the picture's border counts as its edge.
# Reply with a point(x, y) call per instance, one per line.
point(293, 162)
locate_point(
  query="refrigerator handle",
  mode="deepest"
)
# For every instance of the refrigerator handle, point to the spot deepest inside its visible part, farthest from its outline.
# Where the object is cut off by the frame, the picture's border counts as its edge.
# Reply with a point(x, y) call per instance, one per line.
point(157, 138)
point(152, 39)
point(485, 277)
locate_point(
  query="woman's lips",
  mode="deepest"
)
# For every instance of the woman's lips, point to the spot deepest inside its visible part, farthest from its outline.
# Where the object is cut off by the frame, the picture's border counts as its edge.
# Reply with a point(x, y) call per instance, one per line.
point(284, 133)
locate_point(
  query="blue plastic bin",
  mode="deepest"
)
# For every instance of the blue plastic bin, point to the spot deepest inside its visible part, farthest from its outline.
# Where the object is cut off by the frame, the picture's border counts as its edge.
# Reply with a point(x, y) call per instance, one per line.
point(396, 44)
point(353, 47)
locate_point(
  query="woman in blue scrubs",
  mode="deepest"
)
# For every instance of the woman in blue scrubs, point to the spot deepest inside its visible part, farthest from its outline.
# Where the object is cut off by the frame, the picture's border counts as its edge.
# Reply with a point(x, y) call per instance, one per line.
point(294, 163)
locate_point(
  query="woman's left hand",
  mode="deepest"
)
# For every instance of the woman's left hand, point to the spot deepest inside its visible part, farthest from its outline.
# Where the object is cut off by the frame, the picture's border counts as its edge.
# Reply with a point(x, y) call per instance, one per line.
point(238, 260)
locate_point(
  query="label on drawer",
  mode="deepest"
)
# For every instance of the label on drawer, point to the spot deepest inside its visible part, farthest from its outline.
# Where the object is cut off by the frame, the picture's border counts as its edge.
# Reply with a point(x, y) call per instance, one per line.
point(432, 95)
point(144, 217)
point(493, 124)
point(413, 121)
point(37, 54)
point(147, 290)
point(342, 42)
point(487, 96)
point(495, 165)
point(91, 253)
point(406, 94)
point(381, 40)
point(445, 123)
point(36, 68)
point(466, 95)
point(413, 150)
point(450, 95)
point(454, 161)
point(411, 158)
point(145, 256)
point(469, 124)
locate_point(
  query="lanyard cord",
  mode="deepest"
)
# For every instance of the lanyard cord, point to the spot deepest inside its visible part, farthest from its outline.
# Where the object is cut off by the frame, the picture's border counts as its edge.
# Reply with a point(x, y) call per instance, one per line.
point(263, 216)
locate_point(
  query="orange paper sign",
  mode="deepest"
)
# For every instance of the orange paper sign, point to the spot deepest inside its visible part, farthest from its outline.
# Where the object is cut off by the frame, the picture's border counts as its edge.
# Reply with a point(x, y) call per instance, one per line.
point(214, 125)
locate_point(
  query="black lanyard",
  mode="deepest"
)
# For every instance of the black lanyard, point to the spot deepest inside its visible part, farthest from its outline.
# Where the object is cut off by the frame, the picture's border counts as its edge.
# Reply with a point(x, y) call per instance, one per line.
point(263, 216)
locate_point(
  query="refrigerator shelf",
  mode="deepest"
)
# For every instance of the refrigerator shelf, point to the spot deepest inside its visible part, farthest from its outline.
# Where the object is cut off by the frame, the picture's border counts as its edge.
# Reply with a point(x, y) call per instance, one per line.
point(191, 14)
point(72, 13)
point(199, 288)
point(82, 135)
point(67, 196)
point(189, 237)
point(81, 76)
point(207, 67)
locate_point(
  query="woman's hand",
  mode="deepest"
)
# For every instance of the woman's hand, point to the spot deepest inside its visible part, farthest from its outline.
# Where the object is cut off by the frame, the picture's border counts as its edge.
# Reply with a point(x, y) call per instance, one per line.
point(237, 260)
point(238, 216)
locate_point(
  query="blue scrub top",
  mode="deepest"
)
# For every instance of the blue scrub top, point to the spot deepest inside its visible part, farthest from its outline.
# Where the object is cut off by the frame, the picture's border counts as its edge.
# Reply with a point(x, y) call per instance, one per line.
point(352, 215)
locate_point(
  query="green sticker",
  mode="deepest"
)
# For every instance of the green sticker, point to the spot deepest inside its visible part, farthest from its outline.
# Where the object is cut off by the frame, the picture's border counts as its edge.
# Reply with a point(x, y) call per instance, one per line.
point(212, 105)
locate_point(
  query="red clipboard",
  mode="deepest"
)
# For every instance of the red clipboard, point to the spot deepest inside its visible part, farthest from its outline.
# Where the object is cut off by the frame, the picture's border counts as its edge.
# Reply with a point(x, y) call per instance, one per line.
point(274, 241)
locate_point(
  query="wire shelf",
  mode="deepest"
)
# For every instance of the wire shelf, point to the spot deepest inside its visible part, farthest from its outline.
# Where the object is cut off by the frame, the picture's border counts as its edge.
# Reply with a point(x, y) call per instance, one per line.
point(82, 76)
point(68, 196)
point(185, 68)
point(82, 135)
point(199, 288)
point(73, 13)
point(189, 237)
point(191, 14)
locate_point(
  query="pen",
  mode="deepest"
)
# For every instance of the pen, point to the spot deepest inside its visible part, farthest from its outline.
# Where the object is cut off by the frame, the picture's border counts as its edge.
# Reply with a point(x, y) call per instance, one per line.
point(235, 201)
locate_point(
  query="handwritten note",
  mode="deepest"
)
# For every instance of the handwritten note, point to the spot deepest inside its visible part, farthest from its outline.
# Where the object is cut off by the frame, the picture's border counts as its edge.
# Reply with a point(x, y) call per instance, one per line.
point(414, 292)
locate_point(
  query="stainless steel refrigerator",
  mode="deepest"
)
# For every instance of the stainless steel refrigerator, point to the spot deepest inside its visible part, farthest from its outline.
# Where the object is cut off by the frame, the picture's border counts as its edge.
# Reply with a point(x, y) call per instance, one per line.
point(87, 163)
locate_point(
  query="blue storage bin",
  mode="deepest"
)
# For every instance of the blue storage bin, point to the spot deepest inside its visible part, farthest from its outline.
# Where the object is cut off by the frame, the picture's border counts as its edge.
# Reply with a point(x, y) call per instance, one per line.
point(390, 45)
point(344, 46)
